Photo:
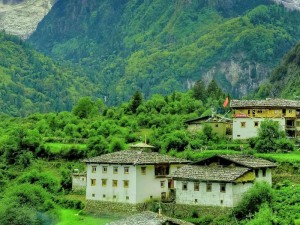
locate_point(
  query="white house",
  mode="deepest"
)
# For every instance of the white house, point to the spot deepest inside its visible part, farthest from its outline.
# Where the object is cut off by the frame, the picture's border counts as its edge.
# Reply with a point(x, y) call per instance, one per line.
point(78, 181)
point(248, 115)
point(220, 180)
point(130, 176)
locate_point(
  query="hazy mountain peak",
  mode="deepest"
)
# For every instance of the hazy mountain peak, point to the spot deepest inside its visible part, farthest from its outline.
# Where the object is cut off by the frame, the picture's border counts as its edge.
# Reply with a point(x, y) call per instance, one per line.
point(21, 17)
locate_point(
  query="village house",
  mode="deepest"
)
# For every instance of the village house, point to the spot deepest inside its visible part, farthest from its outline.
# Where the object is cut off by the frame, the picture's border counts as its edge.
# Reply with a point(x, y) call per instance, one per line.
point(130, 176)
point(220, 180)
point(220, 125)
point(78, 181)
point(248, 115)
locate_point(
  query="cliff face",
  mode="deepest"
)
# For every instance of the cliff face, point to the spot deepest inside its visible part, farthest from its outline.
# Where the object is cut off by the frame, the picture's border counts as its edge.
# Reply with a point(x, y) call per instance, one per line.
point(21, 17)
point(290, 4)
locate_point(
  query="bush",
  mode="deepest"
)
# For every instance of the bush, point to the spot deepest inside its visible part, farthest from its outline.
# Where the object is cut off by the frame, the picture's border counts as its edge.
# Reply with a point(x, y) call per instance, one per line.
point(260, 193)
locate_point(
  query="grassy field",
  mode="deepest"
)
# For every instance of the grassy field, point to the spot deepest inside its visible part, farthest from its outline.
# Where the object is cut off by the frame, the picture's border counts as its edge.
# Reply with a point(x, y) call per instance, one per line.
point(56, 147)
point(71, 217)
point(292, 157)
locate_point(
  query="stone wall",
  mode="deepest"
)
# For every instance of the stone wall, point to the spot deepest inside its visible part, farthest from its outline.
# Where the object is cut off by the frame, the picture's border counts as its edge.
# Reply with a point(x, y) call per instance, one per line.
point(168, 209)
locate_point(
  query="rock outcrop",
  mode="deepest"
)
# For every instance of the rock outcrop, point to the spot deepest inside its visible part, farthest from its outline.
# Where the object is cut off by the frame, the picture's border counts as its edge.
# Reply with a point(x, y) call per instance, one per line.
point(21, 17)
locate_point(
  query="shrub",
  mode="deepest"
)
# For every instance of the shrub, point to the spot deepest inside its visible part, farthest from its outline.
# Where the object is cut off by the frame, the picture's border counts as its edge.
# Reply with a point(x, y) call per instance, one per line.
point(260, 193)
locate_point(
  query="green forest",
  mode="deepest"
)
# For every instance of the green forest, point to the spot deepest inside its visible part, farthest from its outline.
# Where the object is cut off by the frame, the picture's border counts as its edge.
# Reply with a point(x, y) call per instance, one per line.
point(38, 153)
point(159, 47)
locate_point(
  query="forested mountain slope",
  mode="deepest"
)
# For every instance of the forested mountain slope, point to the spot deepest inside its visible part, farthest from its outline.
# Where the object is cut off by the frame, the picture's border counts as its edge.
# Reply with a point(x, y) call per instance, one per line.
point(161, 46)
point(31, 82)
point(285, 79)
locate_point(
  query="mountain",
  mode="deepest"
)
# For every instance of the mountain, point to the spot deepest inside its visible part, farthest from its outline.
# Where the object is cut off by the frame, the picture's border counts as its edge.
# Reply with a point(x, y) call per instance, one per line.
point(31, 82)
point(284, 81)
point(21, 17)
point(164, 46)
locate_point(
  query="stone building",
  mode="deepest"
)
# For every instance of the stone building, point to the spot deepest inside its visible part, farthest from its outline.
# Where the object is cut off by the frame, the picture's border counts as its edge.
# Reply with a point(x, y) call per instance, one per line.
point(130, 176)
point(248, 115)
point(220, 180)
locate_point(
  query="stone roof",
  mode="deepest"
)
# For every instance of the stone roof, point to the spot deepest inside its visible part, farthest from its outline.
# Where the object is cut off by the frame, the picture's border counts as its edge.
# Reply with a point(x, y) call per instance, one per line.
point(149, 218)
point(274, 103)
point(248, 161)
point(209, 173)
point(135, 157)
point(216, 118)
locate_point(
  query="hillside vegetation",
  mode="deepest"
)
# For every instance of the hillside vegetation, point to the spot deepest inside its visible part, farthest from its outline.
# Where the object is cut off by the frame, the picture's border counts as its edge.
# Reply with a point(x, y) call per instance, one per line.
point(161, 46)
point(31, 82)
point(284, 81)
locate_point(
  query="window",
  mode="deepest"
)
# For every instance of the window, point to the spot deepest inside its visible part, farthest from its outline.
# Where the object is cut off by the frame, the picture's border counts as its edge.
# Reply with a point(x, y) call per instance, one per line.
point(196, 200)
point(104, 169)
point(162, 170)
point(94, 169)
point(184, 186)
point(290, 111)
point(243, 124)
point(221, 202)
point(114, 196)
point(259, 111)
point(103, 196)
point(93, 182)
point(115, 183)
point(196, 186)
point(143, 170)
point(126, 183)
point(223, 188)
point(298, 123)
point(126, 170)
point(264, 172)
point(82, 178)
point(256, 173)
point(162, 184)
point(104, 182)
point(115, 170)
point(216, 125)
point(127, 197)
point(208, 187)
point(93, 195)
point(255, 123)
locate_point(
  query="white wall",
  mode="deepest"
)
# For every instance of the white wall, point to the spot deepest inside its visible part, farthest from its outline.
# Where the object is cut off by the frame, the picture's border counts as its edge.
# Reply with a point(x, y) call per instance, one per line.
point(141, 186)
point(119, 192)
point(148, 185)
point(213, 198)
point(238, 190)
point(250, 130)
point(78, 182)
point(267, 178)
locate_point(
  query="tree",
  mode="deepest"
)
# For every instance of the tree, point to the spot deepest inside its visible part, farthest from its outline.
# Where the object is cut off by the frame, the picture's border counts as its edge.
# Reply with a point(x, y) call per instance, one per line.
point(84, 108)
point(268, 135)
point(199, 91)
point(136, 101)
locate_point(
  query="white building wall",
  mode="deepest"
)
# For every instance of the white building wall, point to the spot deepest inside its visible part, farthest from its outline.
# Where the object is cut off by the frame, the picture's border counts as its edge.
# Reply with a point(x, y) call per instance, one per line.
point(110, 193)
point(149, 186)
point(78, 182)
point(250, 130)
point(239, 190)
point(267, 177)
point(202, 197)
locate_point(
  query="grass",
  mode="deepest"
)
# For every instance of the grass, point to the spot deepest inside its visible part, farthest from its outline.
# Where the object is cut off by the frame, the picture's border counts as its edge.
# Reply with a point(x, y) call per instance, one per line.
point(56, 147)
point(292, 157)
point(71, 217)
